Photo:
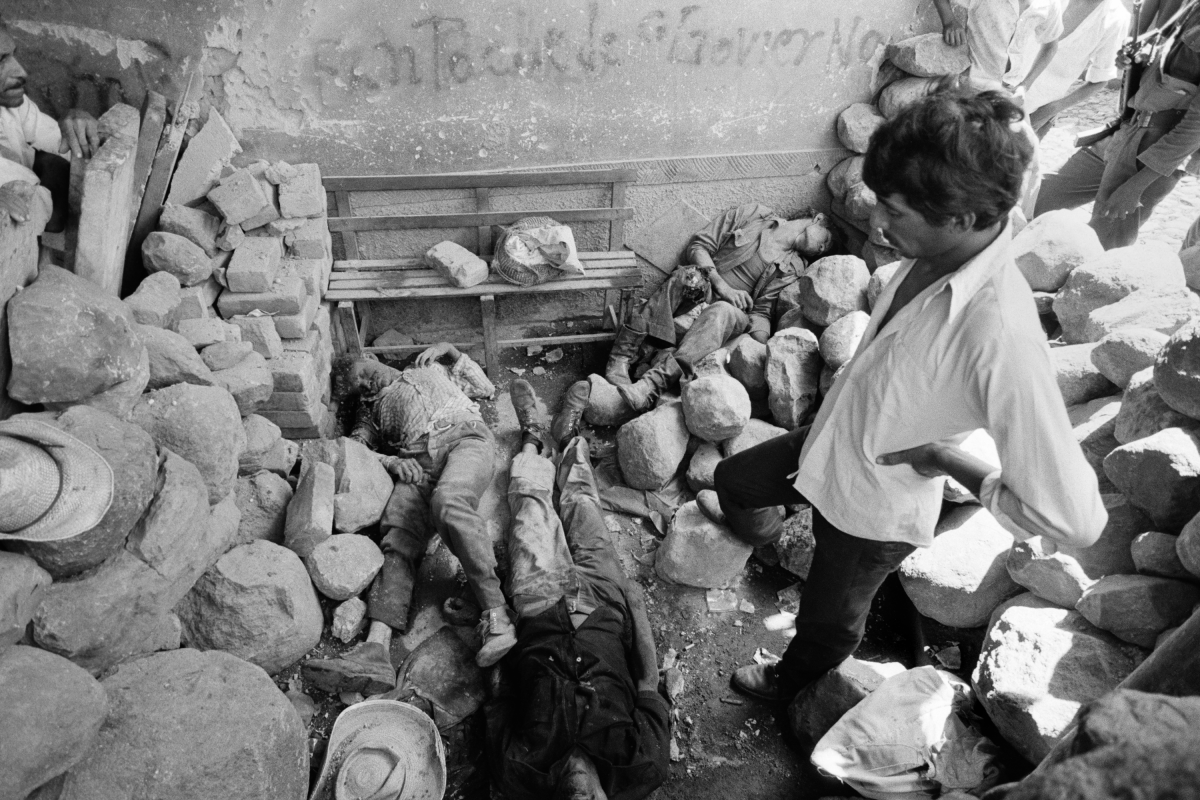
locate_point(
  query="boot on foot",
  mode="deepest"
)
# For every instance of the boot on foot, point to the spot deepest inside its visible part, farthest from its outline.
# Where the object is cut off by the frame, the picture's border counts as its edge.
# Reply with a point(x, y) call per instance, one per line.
point(498, 634)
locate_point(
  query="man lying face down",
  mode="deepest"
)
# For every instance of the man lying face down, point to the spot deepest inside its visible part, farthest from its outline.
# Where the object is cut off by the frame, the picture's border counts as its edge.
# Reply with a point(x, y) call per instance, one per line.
point(577, 715)
point(954, 344)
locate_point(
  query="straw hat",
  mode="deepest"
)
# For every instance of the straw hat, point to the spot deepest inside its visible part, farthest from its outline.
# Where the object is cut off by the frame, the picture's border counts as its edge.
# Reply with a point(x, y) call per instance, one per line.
point(52, 486)
point(383, 750)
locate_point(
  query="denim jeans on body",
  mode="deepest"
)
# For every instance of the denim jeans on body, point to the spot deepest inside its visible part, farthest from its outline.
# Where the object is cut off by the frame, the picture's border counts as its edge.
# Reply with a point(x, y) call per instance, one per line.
point(568, 554)
point(846, 570)
point(458, 469)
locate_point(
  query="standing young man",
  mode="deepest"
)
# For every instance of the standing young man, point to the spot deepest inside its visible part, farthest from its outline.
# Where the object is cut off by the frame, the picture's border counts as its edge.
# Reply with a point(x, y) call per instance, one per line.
point(954, 344)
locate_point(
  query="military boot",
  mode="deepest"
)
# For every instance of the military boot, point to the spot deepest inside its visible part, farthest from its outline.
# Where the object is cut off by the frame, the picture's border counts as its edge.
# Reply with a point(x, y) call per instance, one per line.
point(641, 395)
point(624, 352)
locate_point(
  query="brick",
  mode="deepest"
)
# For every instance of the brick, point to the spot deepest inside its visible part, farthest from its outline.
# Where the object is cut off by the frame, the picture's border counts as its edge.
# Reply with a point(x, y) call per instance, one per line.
point(310, 343)
point(326, 428)
point(197, 226)
point(195, 302)
point(259, 331)
point(254, 265)
point(285, 225)
point(295, 326)
point(313, 271)
point(303, 195)
point(313, 240)
point(239, 197)
point(200, 165)
point(270, 211)
point(99, 234)
point(200, 333)
point(249, 382)
point(286, 297)
point(290, 401)
point(294, 372)
point(303, 418)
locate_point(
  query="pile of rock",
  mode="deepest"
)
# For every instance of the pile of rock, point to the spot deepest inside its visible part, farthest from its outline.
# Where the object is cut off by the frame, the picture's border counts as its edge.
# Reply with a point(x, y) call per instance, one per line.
point(912, 68)
point(1066, 625)
point(239, 265)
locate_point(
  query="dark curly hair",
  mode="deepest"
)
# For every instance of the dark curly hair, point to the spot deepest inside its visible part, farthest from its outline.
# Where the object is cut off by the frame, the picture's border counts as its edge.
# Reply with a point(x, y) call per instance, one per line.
point(952, 153)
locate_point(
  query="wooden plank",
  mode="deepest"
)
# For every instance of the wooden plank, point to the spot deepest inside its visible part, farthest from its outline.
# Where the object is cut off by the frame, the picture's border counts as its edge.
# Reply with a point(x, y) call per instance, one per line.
point(491, 350)
point(159, 181)
point(348, 325)
point(483, 234)
point(616, 229)
point(428, 277)
point(574, 338)
point(401, 183)
point(421, 221)
point(581, 285)
point(154, 120)
point(600, 259)
point(341, 201)
point(364, 323)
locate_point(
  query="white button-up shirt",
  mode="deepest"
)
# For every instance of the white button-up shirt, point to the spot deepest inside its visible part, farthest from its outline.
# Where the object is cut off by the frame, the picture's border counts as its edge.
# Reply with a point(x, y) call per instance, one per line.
point(24, 130)
point(1003, 40)
point(966, 353)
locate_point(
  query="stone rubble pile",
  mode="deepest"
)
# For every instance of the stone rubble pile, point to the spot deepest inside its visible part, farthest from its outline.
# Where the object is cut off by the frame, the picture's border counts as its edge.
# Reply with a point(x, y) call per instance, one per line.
point(912, 67)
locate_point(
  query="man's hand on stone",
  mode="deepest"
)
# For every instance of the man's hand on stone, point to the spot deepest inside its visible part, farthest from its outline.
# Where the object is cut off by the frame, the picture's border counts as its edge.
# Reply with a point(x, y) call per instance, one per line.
point(954, 34)
point(15, 197)
point(406, 470)
point(81, 132)
point(925, 459)
point(438, 351)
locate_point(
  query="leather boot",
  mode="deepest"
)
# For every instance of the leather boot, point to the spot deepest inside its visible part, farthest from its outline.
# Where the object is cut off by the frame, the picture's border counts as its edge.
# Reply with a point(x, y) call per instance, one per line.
point(624, 352)
point(366, 668)
point(641, 395)
point(565, 425)
point(498, 635)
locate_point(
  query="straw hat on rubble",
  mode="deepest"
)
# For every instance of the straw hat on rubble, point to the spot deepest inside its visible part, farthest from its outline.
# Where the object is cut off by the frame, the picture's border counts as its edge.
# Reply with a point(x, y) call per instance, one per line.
point(52, 486)
point(383, 750)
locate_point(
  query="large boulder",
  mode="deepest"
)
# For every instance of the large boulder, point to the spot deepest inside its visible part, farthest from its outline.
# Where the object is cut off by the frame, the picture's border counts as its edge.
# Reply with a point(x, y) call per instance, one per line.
point(748, 363)
point(50, 715)
point(363, 490)
point(823, 702)
point(310, 513)
point(155, 301)
point(1052, 246)
point(855, 125)
point(793, 375)
point(846, 173)
point(1110, 277)
point(1155, 553)
point(256, 602)
point(1177, 370)
point(755, 433)
point(124, 607)
point(1187, 546)
point(1094, 426)
point(1136, 608)
point(715, 407)
point(172, 359)
point(261, 437)
point(699, 552)
point(1040, 663)
point(1163, 310)
point(1144, 412)
point(651, 447)
point(188, 725)
point(961, 578)
point(606, 408)
point(1125, 352)
point(343, 565)
point(69, 341)
point(833, 287)
point(200, 423)
point(22, 584)
point(181, 257)
point(879, 281)
point(898, 96)
point(1078, 379)
point(262, 499)
point(131, 453)
point(1160, 475)
point(980, 444)
point(839, 341)
point(928, 56)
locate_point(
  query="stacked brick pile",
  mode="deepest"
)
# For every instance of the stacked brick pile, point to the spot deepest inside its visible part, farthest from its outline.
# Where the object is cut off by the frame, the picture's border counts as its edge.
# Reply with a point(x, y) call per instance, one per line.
point(251, 246)
point(913, 67)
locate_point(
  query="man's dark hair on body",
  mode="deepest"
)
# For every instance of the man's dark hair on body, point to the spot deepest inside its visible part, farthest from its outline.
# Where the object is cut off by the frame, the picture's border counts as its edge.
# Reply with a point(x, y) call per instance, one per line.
point(952, 153)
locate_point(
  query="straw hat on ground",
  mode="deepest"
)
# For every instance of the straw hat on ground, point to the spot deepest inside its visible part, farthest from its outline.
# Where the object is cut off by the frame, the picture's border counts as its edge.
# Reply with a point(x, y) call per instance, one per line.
point(52, 486)
point(382, 750)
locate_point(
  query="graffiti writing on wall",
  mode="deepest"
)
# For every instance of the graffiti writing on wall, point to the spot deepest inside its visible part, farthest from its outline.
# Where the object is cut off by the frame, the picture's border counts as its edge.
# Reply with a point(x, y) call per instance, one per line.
point(439, 52)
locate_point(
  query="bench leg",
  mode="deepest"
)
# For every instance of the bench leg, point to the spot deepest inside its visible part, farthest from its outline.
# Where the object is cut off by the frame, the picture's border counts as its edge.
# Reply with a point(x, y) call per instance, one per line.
point(347, 326)
point(491, 347)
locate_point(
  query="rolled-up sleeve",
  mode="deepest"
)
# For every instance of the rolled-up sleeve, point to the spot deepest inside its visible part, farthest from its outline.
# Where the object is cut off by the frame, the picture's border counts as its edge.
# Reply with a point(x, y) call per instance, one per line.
point(1045, 486)
point(471, 378)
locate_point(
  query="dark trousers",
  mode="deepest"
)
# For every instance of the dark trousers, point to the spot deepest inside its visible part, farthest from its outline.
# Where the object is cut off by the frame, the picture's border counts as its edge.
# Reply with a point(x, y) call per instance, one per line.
point(846, 570)
point(458, 469)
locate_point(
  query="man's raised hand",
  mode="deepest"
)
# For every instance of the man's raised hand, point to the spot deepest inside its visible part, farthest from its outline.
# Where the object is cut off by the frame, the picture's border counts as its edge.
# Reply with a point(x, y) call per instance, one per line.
point(81, 132)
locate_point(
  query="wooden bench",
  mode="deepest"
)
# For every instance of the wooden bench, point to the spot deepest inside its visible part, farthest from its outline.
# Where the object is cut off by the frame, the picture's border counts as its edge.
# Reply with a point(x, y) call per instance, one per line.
point(406, 277)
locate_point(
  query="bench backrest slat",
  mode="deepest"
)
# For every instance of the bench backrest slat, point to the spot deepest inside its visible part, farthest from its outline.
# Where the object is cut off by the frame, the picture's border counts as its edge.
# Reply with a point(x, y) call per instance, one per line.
point(620, 258)
point(400, 183)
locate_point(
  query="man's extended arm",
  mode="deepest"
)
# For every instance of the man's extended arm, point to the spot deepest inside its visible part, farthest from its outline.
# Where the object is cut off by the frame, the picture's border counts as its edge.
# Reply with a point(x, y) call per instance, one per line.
point(1042, 115)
